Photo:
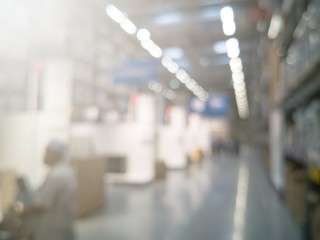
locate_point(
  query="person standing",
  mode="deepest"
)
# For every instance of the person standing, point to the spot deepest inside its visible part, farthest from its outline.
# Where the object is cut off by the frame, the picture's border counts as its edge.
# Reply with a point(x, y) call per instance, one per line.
point(54, 204)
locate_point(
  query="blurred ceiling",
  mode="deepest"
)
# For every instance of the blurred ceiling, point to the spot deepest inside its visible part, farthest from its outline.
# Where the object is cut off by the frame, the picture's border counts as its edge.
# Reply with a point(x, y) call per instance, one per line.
point(190, 31)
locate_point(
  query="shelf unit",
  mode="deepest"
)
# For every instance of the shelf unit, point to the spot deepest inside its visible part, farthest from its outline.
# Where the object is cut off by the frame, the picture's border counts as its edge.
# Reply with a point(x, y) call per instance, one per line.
point(298, 96)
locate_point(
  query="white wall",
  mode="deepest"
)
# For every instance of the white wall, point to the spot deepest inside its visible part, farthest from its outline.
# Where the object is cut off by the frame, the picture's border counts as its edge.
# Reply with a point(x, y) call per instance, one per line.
point(171, 143)
point(24, 138)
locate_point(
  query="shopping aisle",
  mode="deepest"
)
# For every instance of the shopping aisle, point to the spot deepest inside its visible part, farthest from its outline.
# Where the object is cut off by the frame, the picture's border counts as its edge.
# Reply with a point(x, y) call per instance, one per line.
point(226, 198)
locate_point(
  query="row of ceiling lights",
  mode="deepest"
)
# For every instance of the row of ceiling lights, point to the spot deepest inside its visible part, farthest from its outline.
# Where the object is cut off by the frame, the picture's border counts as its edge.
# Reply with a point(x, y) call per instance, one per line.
point(233, 51)
point(144, 36)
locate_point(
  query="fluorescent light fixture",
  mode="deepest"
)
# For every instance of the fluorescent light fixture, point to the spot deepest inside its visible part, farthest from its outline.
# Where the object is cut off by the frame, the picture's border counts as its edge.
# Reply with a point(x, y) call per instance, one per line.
point(128, 26)
point(198, 89)
point(173, 52)
point(240, 91)
point(276, 25)
point(143, 34)
point(182, 75)
point(148, 45)
point(166, 61)
point(191, 85)
point(233, 48)
point(226, 14)
point(204, 94)
point(156, 51)
point(239, 86)
point(115, 14)
point(238, 77)
point(173, 67)
point(241, 94)
point(169, 18)
point(220, 47)
point(229, 28)
point(236, 65)
point(241, 101)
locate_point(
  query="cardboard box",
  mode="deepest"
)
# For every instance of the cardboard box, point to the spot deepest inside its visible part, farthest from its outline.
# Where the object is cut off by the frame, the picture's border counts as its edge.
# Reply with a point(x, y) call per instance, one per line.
point(91, 188)
point(8, 189)
point(160, 171)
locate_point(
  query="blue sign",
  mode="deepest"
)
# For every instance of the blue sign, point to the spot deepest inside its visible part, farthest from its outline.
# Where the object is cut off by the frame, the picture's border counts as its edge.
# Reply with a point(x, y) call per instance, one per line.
point(214, 106)
point(136, 72)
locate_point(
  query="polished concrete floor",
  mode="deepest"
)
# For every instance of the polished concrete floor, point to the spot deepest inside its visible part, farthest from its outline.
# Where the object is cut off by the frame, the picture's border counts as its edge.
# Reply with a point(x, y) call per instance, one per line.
point(226, 198)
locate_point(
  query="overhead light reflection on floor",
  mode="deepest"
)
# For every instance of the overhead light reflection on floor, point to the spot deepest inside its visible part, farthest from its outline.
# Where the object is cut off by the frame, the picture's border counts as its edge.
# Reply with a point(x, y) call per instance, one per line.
point(241, 203)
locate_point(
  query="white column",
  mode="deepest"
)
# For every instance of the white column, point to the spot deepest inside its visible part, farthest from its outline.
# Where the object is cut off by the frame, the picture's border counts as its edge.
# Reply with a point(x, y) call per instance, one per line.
point(276, 148)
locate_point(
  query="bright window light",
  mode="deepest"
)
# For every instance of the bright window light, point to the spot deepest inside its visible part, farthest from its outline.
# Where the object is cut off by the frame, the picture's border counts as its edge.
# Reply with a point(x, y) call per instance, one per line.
point(169, 18)
point(226, 14)
point(191, 84)
point(210, 13)
point(173, 52)
point(220, 47)
point(128, 27)
point(143, 34)
point(229, 28)
point(115, 14)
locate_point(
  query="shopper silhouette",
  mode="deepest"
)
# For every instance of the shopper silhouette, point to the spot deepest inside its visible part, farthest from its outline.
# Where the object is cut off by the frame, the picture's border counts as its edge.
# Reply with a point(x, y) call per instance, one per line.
point(53, 208)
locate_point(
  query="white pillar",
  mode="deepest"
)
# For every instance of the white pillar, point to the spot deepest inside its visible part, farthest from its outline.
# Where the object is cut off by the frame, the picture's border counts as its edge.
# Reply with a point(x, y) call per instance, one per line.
point(276, 148)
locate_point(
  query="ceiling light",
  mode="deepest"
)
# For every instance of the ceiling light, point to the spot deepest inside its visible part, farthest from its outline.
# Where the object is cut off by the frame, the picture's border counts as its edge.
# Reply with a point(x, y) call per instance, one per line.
point(233, 48)
point(182, 75)
point(238, 77)
point(236, 65)
point(156, 51)
point(173, 67)
point(239, 86)
point(229, 28)
point(128, 26)
point(143, 34)
point(148, 45)
point(226, 14)
point(166, 61)
point(115, 14)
